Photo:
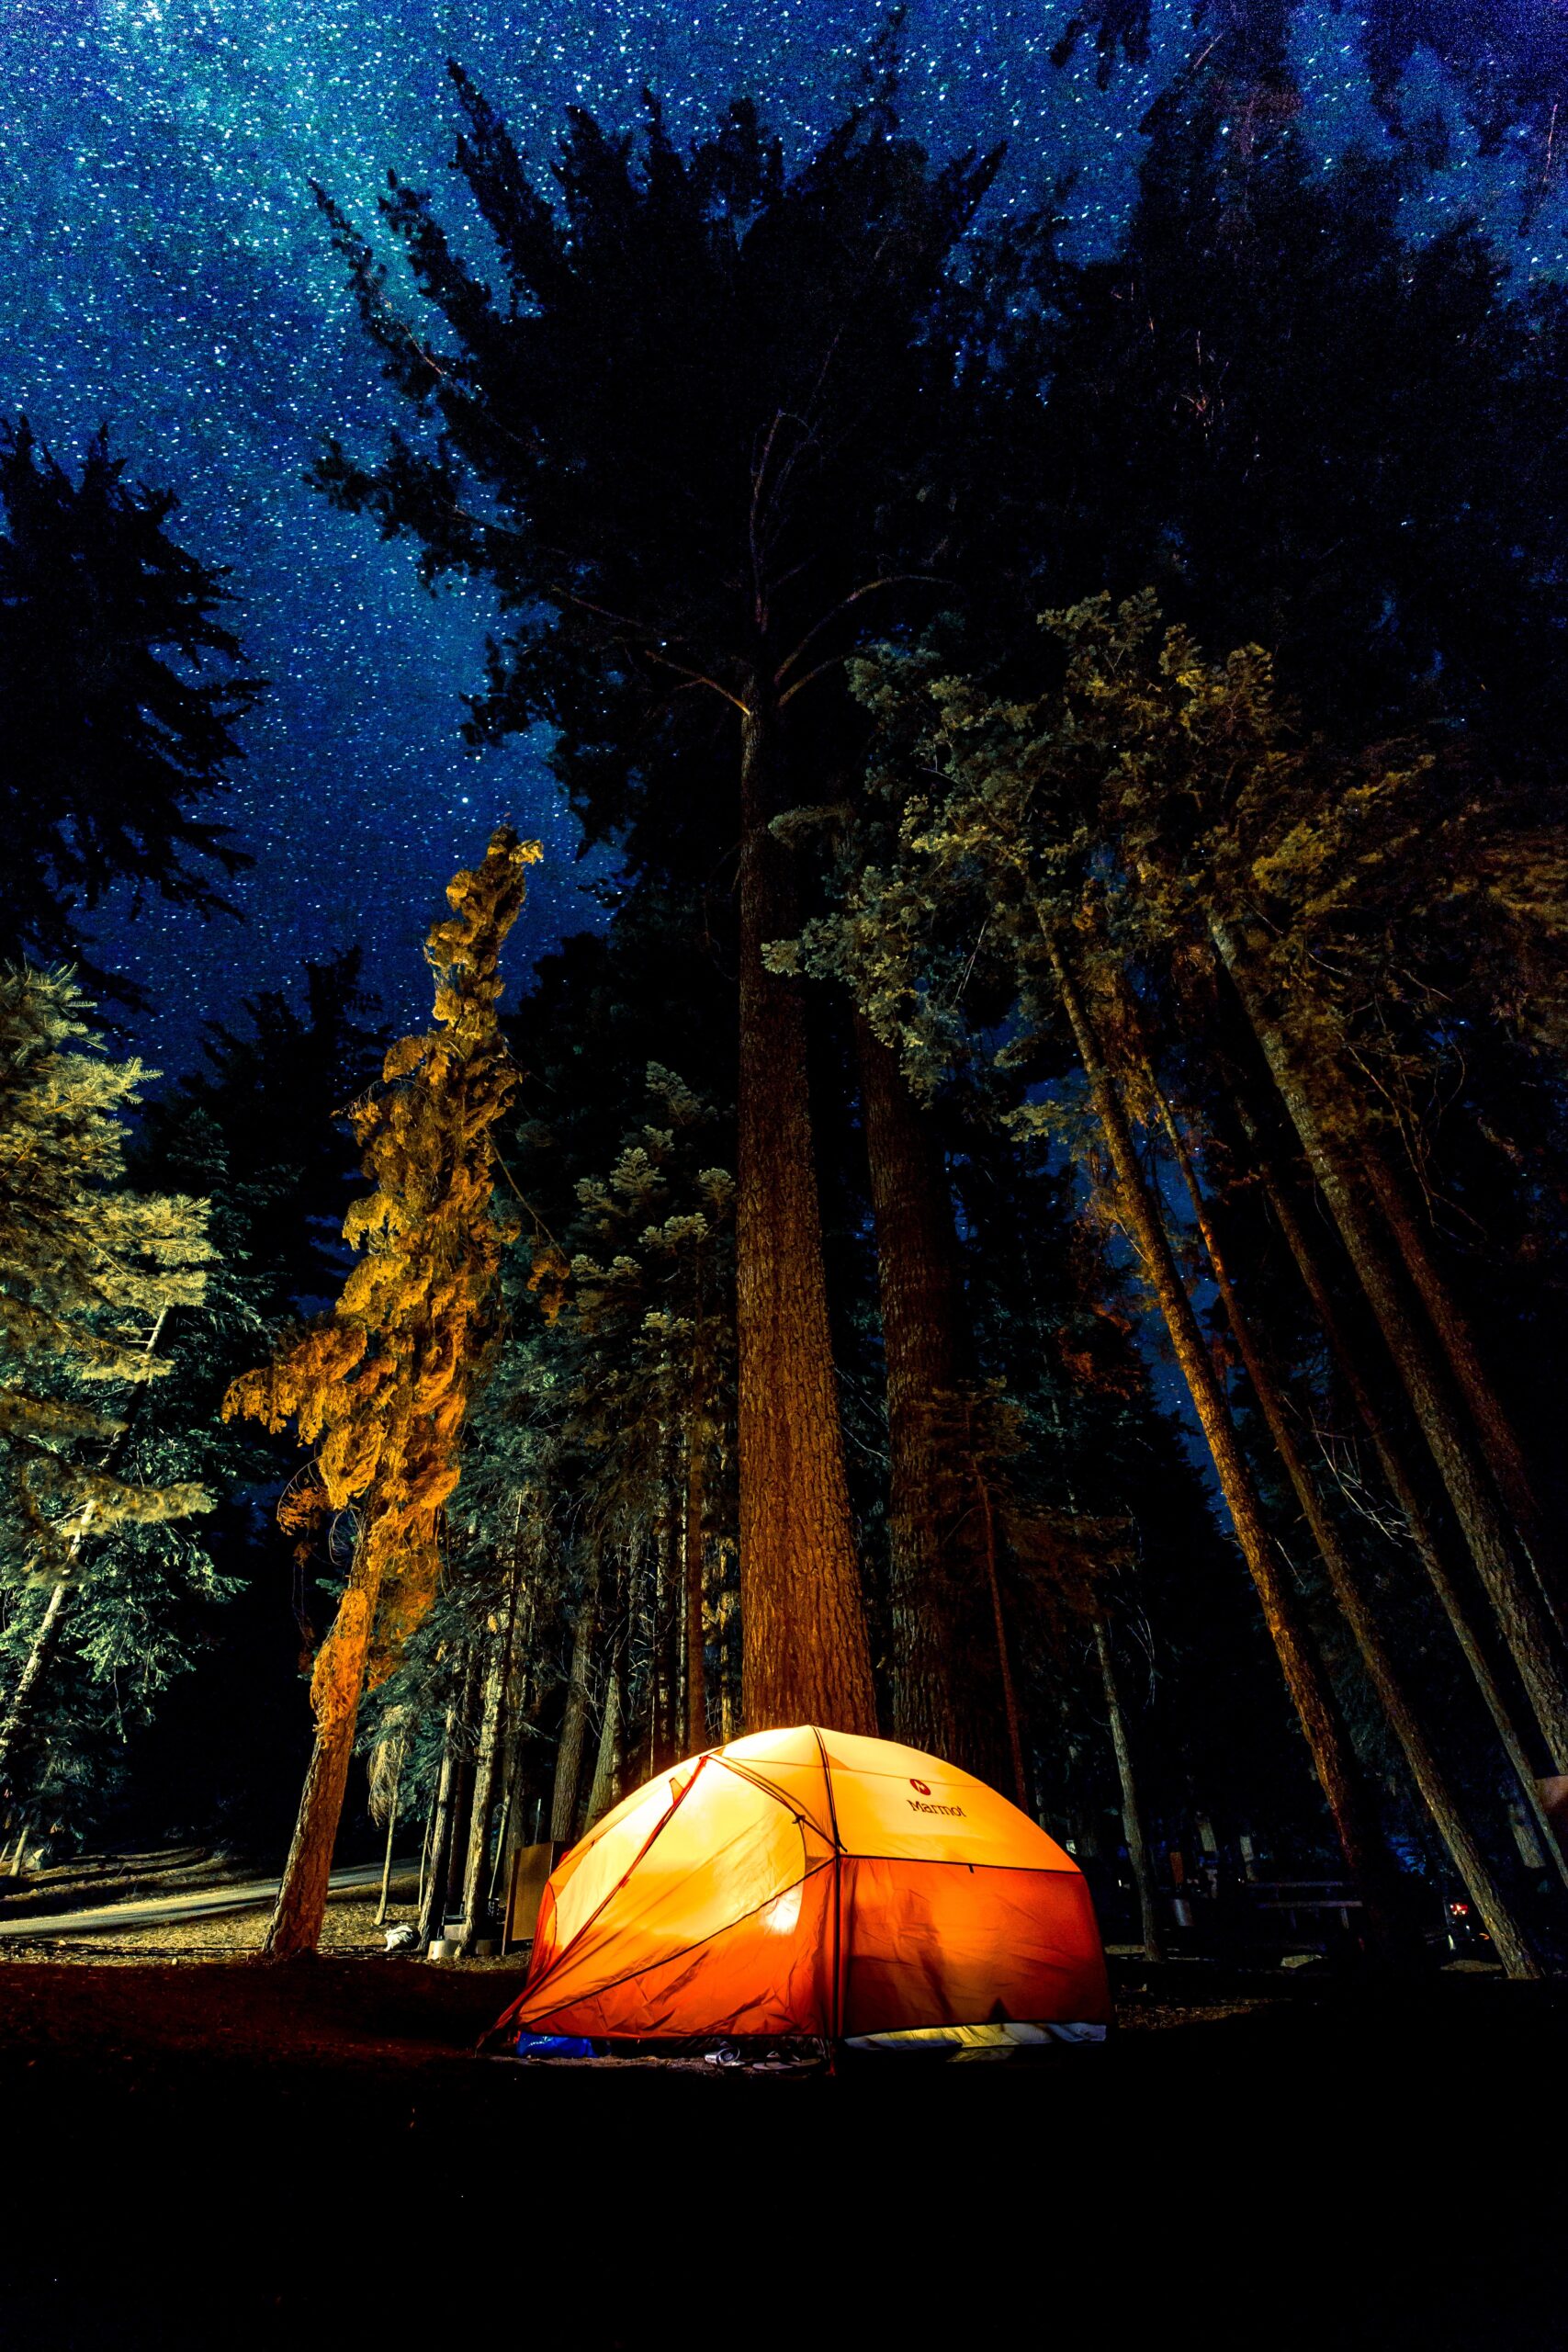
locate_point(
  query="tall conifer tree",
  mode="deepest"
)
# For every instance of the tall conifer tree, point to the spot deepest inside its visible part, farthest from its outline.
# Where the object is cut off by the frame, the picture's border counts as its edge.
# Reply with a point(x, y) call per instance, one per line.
point(380, 1387)
point(710, 430)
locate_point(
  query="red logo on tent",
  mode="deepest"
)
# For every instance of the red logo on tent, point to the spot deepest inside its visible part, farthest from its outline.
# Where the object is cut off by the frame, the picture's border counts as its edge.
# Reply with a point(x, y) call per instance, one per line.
point(924, 1787)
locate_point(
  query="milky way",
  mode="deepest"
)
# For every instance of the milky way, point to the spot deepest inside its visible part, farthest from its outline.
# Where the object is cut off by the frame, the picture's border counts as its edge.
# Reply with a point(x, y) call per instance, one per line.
point(167, 273)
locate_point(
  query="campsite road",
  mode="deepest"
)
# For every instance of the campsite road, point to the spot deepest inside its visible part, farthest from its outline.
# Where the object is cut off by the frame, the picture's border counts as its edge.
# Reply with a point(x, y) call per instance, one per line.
point(163, 1910)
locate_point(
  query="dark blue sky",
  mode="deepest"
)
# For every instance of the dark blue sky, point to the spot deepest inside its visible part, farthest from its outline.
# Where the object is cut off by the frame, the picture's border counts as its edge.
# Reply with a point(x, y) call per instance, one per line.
point(167, 273)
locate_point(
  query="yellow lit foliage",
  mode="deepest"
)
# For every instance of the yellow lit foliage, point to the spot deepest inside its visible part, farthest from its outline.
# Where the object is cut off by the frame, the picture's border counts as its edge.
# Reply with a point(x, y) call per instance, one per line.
point(378, 1388)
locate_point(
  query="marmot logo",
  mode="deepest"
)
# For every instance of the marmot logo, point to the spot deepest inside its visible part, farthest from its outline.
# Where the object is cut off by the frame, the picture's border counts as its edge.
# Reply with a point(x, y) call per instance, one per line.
point(917, 1804)
point(922, 1787)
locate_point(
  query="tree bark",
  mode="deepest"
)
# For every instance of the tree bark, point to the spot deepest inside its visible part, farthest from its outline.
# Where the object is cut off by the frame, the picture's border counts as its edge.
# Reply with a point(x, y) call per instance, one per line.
point(1132, 1816)
point(669, 1611)
point(1311, 1695)
point(487, 1760)
point(425, 1851)
point(569, 1751)
point(1514, 1596)
point(602, 1793)
point(21, 1697)
point(1499, 1440)
point(462, 1788)
point(1011, 1717)
point(806, 1657)
point(1510, 1939)
point(433, 1902)
point(337, 1682)
point(693, 1542)
point(1401, 1483)
point(387, 1856)
point(921, 1293)
point(515, 1707)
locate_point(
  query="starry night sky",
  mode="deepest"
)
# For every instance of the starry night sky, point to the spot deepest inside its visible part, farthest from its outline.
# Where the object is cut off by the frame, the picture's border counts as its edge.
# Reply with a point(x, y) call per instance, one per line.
point(167, 273)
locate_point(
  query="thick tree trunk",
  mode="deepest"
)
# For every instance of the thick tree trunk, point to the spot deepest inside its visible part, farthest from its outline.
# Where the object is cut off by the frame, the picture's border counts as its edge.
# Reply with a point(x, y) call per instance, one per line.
point(806, 1657)
point(602, 1793)
point(1513, 1593)
point(1499, 1440)
point(1401, 1483)
point(1311, 1695)
point(487, 1761)
point(693, 1544)
point(1132, 1816)
point(1510, 1939)
point(337, 1682)
point(569, 1751)
point(920, 1293)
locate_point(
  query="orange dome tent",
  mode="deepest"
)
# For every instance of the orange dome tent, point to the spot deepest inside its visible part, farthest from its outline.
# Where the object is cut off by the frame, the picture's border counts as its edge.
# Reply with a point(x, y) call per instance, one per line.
point(812, 1883)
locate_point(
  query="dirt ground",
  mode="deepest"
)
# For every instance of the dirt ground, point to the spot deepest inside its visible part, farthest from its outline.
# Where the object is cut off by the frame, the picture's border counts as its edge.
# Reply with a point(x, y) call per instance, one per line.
point(350, 1929)
point(208, 2151)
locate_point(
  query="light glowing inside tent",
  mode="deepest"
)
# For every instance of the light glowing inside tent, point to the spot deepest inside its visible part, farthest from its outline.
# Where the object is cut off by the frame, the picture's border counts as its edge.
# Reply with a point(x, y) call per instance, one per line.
point(783, 1914)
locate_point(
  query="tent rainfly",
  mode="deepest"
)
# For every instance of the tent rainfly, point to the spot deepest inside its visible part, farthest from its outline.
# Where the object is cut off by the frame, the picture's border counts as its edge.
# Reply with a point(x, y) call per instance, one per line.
point(812, 1883)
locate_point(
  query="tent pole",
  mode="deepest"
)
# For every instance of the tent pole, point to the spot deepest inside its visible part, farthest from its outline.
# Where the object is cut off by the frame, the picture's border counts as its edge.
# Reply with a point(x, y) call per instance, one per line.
point(836, 2013)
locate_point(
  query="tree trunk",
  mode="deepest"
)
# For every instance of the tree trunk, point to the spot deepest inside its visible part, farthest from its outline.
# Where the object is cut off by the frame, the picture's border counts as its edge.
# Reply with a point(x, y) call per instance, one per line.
point(602, 1794)
point(514, 1714)
point(21, 1697)
point(1514, 1596)
point(1401, 1483)
point(462, 1788)
point(1509, 1938)
point(568, 1750)
point(337, 1681)
point(433, 1902)
point(487, 1760)
point(1132, 1818)
point(806, 1657)
point(921, 1293)
point(424, 1854)
point(1311, 1694)
point(387, 1856)
point(669, 1611)
point(1499, 1440)
point(693, 1542)
point(1011, 1714)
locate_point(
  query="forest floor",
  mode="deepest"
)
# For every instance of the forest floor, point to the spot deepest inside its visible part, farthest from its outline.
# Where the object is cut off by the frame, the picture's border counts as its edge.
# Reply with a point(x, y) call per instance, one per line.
point(235, 2155)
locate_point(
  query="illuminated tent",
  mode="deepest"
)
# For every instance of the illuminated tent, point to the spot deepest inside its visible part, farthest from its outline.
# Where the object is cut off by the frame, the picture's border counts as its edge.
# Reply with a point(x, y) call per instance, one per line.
point(812, 1883)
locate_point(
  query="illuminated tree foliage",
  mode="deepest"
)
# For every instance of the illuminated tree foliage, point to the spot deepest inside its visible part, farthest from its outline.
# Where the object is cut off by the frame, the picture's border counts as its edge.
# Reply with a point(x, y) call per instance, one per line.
point(89, 1274)
point(380, 1387)
point(1152, 810)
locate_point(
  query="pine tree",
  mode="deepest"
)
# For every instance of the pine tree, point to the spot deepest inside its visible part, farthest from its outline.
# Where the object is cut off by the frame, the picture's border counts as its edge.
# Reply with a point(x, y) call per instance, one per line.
point(996, 833)
point(380, 1387)
point(89, 1275)
point(119, 688)
point(715, 425)
point(259, 1129)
